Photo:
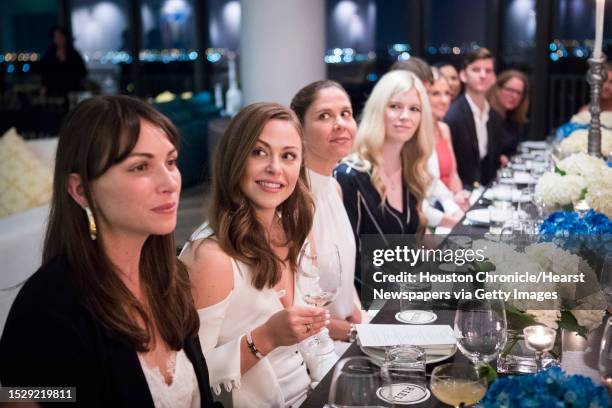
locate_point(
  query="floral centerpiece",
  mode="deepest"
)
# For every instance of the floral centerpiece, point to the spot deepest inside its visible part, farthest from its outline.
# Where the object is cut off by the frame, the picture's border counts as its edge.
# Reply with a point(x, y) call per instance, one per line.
point(573, 136)
point(578, 177)
point(550, 388)
point(590, 232)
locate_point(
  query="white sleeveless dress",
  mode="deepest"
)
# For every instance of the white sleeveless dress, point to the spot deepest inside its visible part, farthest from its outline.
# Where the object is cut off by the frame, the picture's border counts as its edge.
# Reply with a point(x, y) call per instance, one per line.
point(280, 379)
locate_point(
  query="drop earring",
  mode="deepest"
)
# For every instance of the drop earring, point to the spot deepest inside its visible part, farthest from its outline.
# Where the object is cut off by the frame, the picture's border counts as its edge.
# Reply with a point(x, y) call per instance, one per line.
point(93, 230)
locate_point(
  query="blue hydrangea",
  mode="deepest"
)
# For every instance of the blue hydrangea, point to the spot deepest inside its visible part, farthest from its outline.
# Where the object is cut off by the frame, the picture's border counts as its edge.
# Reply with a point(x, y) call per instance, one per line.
point(550, 388)
point(575, 233)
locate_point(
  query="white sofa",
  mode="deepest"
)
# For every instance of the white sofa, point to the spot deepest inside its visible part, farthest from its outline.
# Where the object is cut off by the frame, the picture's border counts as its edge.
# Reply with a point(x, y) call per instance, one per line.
point(21, 239)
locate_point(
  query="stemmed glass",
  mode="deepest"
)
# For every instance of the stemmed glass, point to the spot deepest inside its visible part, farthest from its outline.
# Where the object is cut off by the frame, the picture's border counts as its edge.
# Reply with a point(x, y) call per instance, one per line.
point(605, 356)
point(481, 329)
point(457, 384)
point(319, 276)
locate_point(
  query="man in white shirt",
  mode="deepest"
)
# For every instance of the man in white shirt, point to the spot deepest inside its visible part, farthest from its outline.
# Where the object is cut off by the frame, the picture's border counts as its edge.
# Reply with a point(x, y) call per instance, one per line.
point(475, 128)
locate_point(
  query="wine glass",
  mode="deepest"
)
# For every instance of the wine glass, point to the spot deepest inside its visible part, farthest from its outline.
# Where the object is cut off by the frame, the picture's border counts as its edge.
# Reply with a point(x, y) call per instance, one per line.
point(605, 356)
point(456, 384)
point(481, 329)
point(319, 275)
point(606, 279)
point(357, 382)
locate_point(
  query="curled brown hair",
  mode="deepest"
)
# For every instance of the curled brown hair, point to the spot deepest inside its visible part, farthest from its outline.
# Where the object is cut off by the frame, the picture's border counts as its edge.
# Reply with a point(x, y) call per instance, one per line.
point(308, 94)
point(519, 114)
point(232, 216)
point(98, 134)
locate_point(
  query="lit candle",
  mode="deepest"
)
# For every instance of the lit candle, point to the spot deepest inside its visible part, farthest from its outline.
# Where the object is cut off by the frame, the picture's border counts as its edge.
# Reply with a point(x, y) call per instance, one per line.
point(599, 20)
point(539, 338)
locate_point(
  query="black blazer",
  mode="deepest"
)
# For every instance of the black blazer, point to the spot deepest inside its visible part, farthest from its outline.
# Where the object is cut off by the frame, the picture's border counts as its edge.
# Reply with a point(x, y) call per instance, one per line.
point(51, 339)
point(470, 167)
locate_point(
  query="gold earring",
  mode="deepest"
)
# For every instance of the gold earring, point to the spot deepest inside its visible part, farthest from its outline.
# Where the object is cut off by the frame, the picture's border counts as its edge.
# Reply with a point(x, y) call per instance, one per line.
point(93, 230)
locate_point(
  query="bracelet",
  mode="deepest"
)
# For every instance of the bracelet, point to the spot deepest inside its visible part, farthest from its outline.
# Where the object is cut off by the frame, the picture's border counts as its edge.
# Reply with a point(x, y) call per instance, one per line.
point(249, 341)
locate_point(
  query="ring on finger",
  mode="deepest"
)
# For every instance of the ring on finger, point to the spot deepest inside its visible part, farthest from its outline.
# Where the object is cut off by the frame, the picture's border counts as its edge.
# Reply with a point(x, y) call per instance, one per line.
point(308, 327)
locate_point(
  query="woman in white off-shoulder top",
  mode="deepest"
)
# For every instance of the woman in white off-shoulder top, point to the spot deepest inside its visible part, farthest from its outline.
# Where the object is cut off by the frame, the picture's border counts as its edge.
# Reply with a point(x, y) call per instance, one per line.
point(242, 262)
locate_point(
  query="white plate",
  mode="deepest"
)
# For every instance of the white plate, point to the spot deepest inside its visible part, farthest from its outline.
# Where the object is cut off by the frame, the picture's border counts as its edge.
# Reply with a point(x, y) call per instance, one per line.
point(416, 316)
point(378, 355)
point(479, 216)
point(535, 144)
point(516, 197)
point(522, 178)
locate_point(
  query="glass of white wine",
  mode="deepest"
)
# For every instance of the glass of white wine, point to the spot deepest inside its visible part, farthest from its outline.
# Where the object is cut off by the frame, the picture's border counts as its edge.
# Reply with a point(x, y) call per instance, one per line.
point(319, 275)
point(457, 384)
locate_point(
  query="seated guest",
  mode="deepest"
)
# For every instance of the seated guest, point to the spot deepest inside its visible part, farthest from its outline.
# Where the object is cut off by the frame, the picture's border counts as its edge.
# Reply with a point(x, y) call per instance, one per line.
point(440, 208)
point(510, 98)
point(605, 97)
point(439, 98)
point(452, 76)
point(243, 261)
point(110, 312)
point(326, 114)
point(385, 181)
point(475, 128)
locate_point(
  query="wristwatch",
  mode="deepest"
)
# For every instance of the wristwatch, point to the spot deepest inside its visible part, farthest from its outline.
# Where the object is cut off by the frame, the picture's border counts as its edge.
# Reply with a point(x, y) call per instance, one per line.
point(352, 333)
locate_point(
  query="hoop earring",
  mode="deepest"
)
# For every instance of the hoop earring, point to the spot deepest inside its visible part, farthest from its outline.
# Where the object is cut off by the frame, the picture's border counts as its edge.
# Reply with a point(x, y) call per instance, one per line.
point(93, 230)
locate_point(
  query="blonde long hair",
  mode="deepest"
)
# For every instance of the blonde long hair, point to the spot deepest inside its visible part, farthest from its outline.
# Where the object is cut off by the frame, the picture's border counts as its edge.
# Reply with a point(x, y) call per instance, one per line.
point(371, 136)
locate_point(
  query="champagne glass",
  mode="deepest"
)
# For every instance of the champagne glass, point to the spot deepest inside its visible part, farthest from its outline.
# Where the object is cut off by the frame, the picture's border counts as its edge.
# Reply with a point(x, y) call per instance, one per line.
point(481, 329)
point(357, 382)
point(456, 384)
point(319, 273)
point(605, 356)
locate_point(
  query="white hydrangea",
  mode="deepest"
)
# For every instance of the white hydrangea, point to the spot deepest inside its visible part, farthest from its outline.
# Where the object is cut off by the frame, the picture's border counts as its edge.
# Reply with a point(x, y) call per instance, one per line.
point(555, 189)
point(582, 164)
point(548, 318)
point(578, 142)
point(599, 192)
point(584, 118)
point(589, 319)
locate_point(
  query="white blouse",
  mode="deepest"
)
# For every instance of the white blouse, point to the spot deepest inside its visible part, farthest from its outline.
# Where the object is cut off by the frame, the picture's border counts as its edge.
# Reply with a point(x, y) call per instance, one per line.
point(331, 223)
point(280, 379)
point(182, 392)
point(437, 192)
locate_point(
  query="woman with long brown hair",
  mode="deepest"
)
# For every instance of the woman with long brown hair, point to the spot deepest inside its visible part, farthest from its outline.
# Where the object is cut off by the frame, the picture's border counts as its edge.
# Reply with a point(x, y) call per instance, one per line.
point(243, 260)
point(385, 182)
point(110, 312)
point(510, 98)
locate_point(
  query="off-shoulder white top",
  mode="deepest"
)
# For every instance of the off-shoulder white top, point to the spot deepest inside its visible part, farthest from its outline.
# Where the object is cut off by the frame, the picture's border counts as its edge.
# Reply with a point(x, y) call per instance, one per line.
point(280, 379)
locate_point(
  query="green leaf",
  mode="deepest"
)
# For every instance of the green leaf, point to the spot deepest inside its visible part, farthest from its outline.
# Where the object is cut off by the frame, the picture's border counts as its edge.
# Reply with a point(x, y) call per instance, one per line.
point(488, 372)
point(583, 194)
point(517, 319)
point(569, 322)
point(485, 266)
point(559, 171)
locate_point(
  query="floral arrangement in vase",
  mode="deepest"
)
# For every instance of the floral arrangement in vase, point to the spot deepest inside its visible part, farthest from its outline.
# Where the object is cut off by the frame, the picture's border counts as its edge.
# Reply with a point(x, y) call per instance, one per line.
point(578, 177)
point(549, 388)
point(573, 136)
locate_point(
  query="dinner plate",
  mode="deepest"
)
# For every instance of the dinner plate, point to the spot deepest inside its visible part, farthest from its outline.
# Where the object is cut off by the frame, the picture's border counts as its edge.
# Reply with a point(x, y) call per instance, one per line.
point(479, 216)
point(516, 197)
point(416, 316)
point(535, 144)
point(378, 354)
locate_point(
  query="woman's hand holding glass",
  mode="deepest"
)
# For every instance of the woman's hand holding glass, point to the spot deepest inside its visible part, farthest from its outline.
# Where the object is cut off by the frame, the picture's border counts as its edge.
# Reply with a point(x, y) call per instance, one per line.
point(290, 326)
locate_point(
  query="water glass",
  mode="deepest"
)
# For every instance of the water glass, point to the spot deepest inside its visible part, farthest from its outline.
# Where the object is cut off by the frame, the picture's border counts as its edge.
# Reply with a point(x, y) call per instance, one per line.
point(481, 329)
point(499, 214)
point(404, 374)
point(357, 382)
point(605, 356)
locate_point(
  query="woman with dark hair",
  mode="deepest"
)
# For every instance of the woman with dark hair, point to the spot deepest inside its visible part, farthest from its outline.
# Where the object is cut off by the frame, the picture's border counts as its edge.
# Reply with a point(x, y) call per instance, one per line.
point(110, 312)
point(510, 98)
point(449, 71)
point(243, 261)
point(62, 67)
point(326, 114)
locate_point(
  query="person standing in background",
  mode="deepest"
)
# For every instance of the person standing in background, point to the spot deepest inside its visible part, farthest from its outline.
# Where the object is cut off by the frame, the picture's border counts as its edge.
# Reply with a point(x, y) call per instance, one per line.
point(62, 67)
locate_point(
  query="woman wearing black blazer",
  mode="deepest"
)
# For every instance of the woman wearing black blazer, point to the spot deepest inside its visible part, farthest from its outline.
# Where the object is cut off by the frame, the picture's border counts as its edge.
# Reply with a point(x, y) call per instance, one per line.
point(110, 312)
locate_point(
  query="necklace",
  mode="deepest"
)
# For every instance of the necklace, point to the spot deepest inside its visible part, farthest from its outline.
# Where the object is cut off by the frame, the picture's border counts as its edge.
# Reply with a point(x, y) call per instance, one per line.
point(392, 179)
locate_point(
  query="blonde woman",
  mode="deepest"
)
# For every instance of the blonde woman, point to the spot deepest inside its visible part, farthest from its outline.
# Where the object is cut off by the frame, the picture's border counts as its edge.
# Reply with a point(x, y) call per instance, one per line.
point(385, 181)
